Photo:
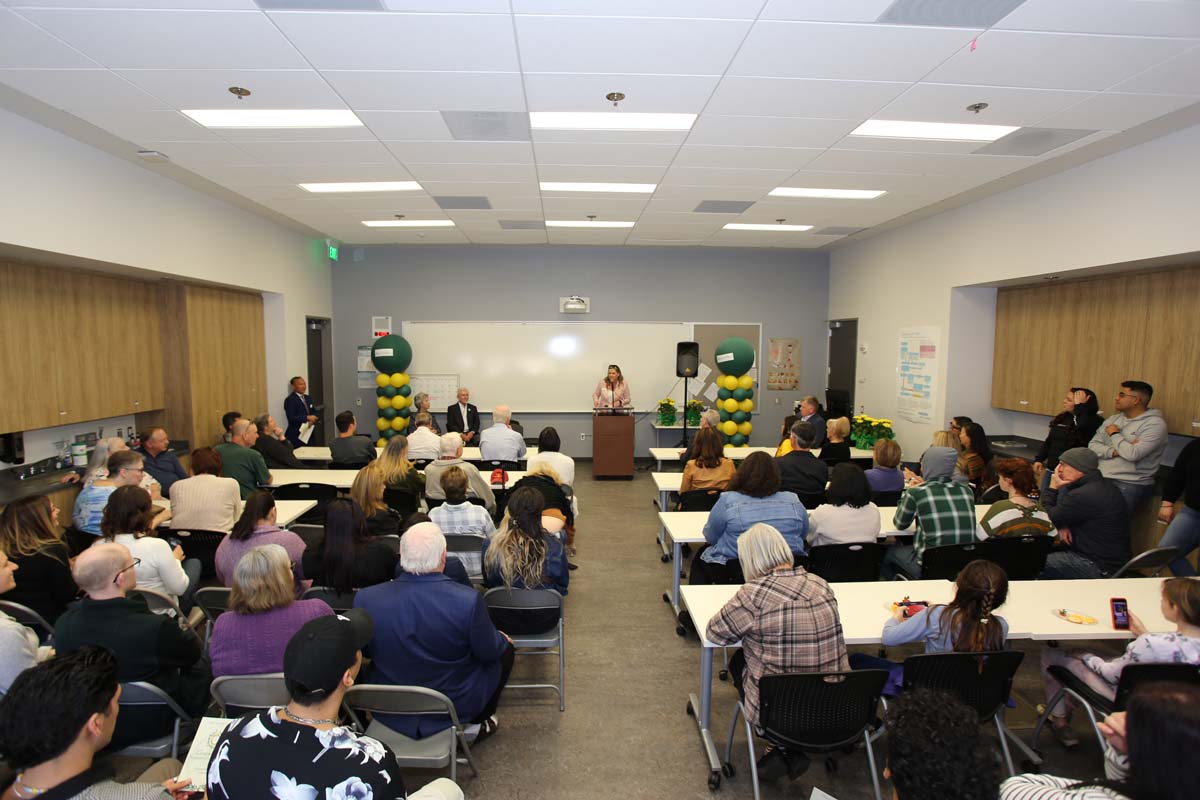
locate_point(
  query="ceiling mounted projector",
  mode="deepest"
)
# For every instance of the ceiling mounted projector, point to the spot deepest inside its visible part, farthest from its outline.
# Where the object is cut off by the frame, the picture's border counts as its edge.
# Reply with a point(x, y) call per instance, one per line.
point(574, 304)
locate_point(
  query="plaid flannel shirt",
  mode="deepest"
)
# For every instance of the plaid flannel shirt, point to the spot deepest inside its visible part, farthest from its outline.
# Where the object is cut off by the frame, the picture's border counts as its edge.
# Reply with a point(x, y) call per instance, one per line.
point(944, 510)
point(787, 621)
point(465, 518)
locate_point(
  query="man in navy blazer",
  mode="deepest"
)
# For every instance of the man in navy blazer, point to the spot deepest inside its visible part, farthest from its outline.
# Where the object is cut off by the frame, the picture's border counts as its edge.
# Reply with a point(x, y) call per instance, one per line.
point(298, 408)
point(431, 631)
point(463, 417)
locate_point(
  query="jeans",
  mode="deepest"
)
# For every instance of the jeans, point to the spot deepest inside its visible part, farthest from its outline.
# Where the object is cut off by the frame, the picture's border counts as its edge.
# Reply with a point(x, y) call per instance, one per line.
point(1068, 565)
point(191, 566)
point(1184, 533)
point(900, 558)
point(1134, 493)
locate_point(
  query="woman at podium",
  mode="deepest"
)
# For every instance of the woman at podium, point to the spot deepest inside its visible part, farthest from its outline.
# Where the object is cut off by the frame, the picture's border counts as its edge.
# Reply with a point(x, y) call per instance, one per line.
point(612, 391)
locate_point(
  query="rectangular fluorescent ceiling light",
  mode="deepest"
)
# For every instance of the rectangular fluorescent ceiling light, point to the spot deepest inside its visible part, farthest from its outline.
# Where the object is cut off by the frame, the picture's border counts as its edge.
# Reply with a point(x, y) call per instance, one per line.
point(274, 118)
point(362, 186)
point(624, 188)
point(409, 223)
point(587, 223)
point(950, 131)
point(833, 194)
point(745, 226)
point(609, 121)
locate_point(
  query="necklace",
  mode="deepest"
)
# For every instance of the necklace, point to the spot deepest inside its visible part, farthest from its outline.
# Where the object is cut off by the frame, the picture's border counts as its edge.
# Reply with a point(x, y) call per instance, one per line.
point(305, 720)
point(22, 789)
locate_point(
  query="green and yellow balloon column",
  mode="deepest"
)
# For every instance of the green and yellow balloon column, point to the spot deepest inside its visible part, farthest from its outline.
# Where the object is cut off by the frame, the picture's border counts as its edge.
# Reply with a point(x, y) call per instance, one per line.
point(391, 355)
point(735, 389)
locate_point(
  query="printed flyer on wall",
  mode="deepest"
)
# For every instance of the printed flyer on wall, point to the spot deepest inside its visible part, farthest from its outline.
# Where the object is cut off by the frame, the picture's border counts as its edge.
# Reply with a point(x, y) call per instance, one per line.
point(916, 374)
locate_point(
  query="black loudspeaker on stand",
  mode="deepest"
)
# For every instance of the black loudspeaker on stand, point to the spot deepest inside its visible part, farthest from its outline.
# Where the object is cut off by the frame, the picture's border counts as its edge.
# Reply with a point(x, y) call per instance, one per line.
point(687, 362)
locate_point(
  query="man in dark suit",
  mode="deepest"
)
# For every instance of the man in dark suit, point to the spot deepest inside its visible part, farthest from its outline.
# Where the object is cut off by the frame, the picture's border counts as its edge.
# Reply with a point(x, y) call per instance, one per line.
point(800, 471)
point(462, 417)
point(431, 631)
point(298, 408)
point(810, 412)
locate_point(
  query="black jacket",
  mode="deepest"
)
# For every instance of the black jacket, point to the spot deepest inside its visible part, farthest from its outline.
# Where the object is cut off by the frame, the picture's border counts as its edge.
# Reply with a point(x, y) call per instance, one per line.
point(1068, 430)
point(44, 582)
point(1184, 479)
point(803, 473)
point(551, 493)
point(1095, 511)
point(454, 421)
point(277, 454)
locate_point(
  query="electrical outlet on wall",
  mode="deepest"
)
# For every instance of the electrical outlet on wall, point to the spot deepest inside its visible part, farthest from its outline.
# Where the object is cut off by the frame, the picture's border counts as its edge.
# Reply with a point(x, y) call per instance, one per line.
point(358, 402)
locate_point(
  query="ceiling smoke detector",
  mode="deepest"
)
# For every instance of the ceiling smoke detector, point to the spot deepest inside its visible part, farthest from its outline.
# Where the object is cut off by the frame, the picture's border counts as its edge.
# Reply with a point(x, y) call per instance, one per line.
point(574, 304)
point(614, 97)
point(239, 92)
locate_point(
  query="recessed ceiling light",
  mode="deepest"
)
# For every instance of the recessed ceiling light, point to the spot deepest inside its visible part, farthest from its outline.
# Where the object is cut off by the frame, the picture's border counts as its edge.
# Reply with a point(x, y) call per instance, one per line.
point(274, 118)
point(363, 186)
point(833, 194)
point(625, 188)
point(408, 223)
point(609, 121)
point(587, 223)
point(746, 226)
point(954, 131)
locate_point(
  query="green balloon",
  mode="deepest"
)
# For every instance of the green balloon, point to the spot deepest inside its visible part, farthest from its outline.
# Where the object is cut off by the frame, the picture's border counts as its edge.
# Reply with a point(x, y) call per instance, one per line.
point(405, 390)
point(379, 392)
point(388, 413)
point(749, 393)
point(739, 394)
point(723, 393)
point(389, 433)
point(389, 391)
point(734, 356)
point(391, 354)
point(740, 416)
point(738, 440)
point(724, 414)
point(405, 412)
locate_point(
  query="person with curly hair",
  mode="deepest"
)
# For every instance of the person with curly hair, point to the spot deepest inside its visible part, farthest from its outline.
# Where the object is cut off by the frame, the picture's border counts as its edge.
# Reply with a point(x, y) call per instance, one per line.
point(936, 749)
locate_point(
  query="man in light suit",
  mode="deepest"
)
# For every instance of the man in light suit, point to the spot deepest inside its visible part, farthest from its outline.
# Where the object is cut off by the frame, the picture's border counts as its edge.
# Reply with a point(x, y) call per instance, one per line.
point(298, 408)
point(462, 417)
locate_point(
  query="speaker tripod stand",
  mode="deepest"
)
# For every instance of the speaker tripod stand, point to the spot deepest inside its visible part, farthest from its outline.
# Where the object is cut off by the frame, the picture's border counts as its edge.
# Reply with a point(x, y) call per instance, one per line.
point(684, 441)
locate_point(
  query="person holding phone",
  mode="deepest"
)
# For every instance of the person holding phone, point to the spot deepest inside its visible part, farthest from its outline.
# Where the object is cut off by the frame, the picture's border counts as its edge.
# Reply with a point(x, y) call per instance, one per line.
point(1180, 605)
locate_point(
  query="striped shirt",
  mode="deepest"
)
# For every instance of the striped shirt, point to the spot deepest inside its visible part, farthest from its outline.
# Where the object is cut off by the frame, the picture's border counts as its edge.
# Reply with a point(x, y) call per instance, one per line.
point(1006, 518)
point(468, 519)
point(787, 621)
point(1049, 787)
point(944, 511)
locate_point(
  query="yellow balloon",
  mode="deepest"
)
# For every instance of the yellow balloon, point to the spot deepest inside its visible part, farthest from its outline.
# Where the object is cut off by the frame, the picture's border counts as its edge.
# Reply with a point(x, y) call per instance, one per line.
point(407, 401)
point(399, 379)
point(745, 382)
point(729, 427)
point(744, 429)
point(731, 382)
point(382, 402)
point(730, 405)
point(381, 442)
point(398, 402)
point(399, 424)
point(382, 380)
point(382, 424)
point(745, 405)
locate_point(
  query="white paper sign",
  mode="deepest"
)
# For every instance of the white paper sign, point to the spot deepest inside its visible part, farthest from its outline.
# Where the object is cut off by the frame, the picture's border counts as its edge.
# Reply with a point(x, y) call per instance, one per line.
point(384, 352)
point(711, 392)
point(364, 358)
point(723, 357)
point(702, 372)
point(917, 373)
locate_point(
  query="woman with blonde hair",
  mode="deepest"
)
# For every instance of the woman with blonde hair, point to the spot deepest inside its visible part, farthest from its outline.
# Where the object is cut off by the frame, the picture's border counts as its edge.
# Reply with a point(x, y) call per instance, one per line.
point(836, 449)
point(249, 639)
point(29, 535)
point(367, 492)
point(396, 471)
point(544, 479)
point(522, 555)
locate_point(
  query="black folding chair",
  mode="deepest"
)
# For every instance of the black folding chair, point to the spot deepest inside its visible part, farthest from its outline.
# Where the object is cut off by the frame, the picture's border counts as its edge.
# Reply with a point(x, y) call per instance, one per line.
point(338, 601)
point(354, 465)
point(1021, 557)
point(213, 601)
point(29, 618)
point(140, 694)
point(202, 546)
point(402, 500)
point(322, 493)
point(698, 500)
point(847, 563)
point(887, 499)
point(1156, 560)
point(946, 562)
point(421, 463)
point(469, 550)
point(534, 620)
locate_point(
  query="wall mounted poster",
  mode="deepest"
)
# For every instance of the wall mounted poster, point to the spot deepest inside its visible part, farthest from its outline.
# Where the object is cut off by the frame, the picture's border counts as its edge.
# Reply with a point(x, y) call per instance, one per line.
point(917, 372)
point(783, 364)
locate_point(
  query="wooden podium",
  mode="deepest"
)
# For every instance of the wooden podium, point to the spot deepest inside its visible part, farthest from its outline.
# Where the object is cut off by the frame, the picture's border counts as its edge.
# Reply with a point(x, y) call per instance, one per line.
point(612, 444)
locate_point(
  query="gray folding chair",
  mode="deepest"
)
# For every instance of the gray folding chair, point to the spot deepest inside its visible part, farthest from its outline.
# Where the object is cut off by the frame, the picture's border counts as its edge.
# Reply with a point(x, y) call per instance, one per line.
point(213, 601)
point(338, 601)
point(1156, 559)
point(29, 618)
point(533, 618)
point(140, 693)
point(392, 541)
point(249, 691)
point(160, 601)
point(432, 752)
point(469, 550)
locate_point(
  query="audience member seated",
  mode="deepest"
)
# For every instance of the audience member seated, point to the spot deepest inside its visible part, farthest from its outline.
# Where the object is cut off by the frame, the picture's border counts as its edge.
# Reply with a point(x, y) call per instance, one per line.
point(129, 521)
point(957, 424)
point(347, 557)
point(754, 496)
point(976, 459)
point(944, 510)
point(273, 445)
point(522, 555)
point(800, 472)
point(58, 716)
point(1074, 426)
point(367, 492)
point(836, 449)
point(148, 647)
point(785, 436)
point(942, 441)
point(1019, 515)
point(936, 748)
point(241, 461)
point(396, 471)
point(500, 442)
point(29, 534)
point(458, 516)
point(1091, 517)
point(549, 452)
point(227, 420)
point(709, 418)
point(263, 614)
point(431, 631)
point(849, 517)
point(709, 468)
point(299, 751)
point(19, 648)
point(454, 569)
point(810, 408)
point(350, 448)
point(161, 463)
point(1130, 444)
point(124, 469)
point(547, 483)
point(787, 621)
point(97, 468)
point(420, 405)
point(1148, 752)
point(255, 527)
point(424, 443)
point(885, 475)
point(206, 501)
point(1183, 528)
point(1180, 605)
point(452, 450)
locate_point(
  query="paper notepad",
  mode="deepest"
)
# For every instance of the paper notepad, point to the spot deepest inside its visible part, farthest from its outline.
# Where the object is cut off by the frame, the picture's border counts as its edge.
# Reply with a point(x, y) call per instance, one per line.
point(195, 766)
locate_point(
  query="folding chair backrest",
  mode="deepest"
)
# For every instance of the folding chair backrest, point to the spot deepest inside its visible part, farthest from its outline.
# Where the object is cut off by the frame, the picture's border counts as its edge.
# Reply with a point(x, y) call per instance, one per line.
point(355, 465)
point(847, 563)
point(401, 700)
point(141, 693)
point(524, 612)
point(321, 492)
point(392, 540)
point(507, 466)
point(338, 601)
point(464, 543)
point(1155, 559)
point(157, 601)
point(984, 686)
point(1022, 557)
point(403, 501)
point(819, 710)
point(811, 500)
point(246, 692)
point(886, 499)
point(202, 546)
point(1135, 676)
point(698, 500)
point(421, 463)
point(946, 562)
point(214, 600)
point(28, 617)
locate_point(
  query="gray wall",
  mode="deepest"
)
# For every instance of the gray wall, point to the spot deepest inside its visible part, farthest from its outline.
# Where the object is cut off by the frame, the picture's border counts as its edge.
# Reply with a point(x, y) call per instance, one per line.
point(787, 291)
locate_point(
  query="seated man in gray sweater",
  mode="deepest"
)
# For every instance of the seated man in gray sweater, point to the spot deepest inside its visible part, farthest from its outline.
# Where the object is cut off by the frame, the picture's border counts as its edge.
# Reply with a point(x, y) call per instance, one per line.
point(349, 447)
point(1130, 443)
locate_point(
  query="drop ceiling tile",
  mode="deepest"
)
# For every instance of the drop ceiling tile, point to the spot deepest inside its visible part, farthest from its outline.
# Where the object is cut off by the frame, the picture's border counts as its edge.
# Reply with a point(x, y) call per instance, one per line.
point(462, 152)
point(618, 44)
point(682, 231)
point(1126, 17)
point(396, 126)
point(839, 160)
point(428, 236)
point(693, 155)
point(136, 126)
point(611, 137)
point(907, 145)
point(710, 9)
point(823, 50)
point(356, 134)
point(686, 206)
point(449, 6)
point(947, 102)
point(654, 155)
point(679, 94)
point(1175, 76)
point(697, 194)
point(824, 11)
point(209, 88)
point(793, 97)
point(385, 41)
point(498, 188)
point(506, 237)
point(428, 91)
point(152, 39)
point(213, 5)
point(609, 237)
point(601, 206)
point(702, 176)
point(201, 152)
point(80, 89)
point(257, 178)
point(385, 170)
point(770, 131)
point(590, 174)
point(473, 172)
point(317, 152)
point(23, 44)
point(1054, 60)
point(1115, 111)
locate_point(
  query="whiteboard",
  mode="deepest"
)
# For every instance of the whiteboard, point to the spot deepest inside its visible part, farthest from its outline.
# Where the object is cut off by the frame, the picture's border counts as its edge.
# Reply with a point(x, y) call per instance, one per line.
point(442, 389)
point(547, 367)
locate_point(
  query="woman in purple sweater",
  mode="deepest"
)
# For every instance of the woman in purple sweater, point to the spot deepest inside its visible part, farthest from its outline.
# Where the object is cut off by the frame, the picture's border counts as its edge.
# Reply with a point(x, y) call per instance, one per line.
point(249, 638)
point(256, 527)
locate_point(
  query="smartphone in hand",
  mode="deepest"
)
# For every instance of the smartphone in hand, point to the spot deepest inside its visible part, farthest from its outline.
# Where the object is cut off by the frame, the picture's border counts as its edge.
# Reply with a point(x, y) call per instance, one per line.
point(1120, 613)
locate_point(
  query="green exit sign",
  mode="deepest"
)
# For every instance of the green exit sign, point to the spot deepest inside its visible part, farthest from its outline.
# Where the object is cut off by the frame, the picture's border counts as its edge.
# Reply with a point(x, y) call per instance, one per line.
point(333, 252)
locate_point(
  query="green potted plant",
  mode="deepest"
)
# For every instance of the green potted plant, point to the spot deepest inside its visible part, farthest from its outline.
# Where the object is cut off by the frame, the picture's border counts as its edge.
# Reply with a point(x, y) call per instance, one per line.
point(694, 409)
point(666, 411)
point(866, 430)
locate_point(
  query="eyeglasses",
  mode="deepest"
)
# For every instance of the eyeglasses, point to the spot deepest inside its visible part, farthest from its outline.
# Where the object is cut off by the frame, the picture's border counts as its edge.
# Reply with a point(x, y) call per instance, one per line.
point(135, 563)
point(1125, 394)
point(134, 469)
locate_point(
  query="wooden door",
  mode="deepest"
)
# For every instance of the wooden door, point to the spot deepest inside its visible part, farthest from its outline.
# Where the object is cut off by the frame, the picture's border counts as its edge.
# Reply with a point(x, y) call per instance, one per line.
point(37, 331)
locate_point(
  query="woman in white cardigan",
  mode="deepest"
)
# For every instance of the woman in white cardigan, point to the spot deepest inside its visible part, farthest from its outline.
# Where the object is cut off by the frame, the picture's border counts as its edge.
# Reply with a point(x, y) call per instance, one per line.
point(129, 520)
point(205, 501)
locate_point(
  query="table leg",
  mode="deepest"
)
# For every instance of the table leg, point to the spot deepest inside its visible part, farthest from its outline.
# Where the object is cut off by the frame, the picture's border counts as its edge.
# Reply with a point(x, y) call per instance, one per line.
point(701, 707)
point(662, 529)
point(676, 571)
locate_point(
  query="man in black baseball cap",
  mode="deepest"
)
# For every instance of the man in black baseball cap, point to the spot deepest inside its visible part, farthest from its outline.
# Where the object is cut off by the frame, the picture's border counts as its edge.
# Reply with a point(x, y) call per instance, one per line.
point(1091, 516)
point(322, 653)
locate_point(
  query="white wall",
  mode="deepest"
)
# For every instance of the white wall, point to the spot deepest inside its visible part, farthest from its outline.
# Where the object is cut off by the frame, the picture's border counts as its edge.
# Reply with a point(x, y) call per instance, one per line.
point(1135, 204)
point(62, 196)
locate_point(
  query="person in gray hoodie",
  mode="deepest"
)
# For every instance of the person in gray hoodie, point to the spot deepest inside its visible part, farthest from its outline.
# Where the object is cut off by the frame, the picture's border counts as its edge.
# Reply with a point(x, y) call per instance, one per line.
point(1130, 443)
